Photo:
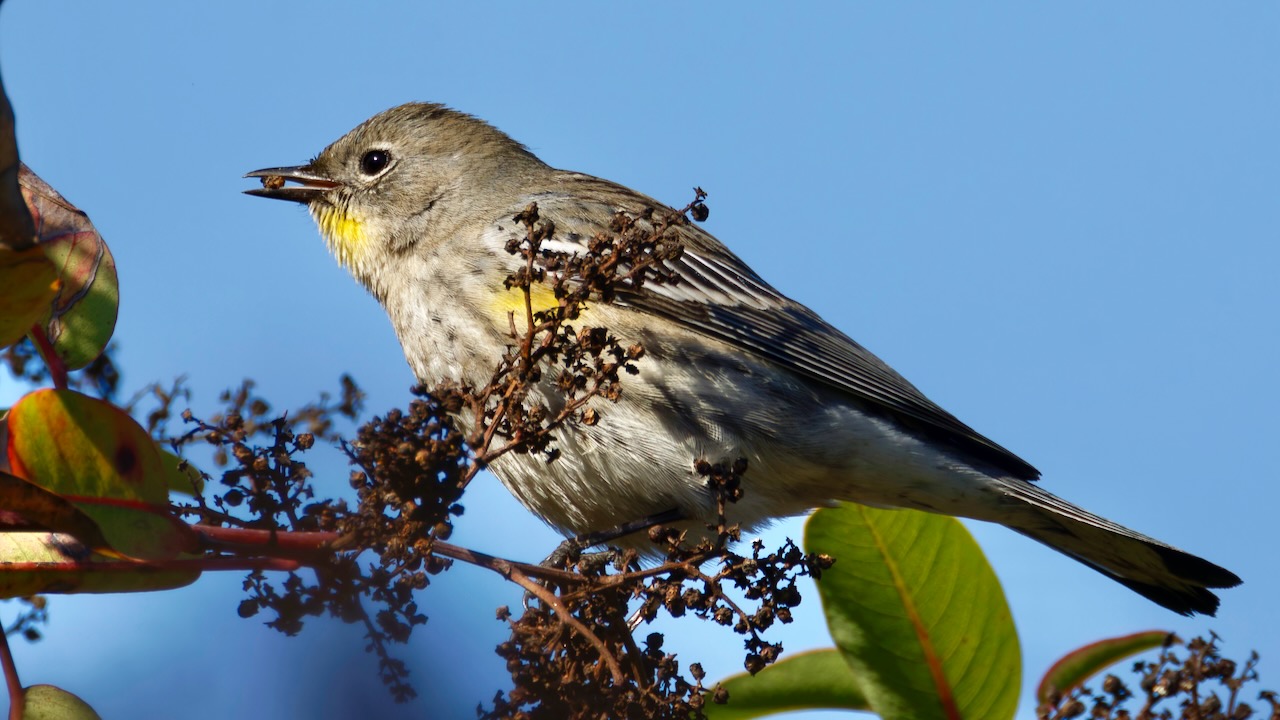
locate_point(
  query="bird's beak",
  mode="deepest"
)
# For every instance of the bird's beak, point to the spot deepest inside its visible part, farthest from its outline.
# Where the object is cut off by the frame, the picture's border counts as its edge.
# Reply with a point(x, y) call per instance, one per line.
point(310, 184)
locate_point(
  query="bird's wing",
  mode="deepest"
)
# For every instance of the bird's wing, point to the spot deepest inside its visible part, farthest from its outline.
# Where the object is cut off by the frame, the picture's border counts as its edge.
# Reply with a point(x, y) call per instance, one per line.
point(720, 297)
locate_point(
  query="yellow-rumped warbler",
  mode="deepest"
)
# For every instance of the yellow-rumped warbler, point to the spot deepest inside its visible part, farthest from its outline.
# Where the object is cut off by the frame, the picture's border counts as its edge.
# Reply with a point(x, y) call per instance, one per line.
point(418, 203)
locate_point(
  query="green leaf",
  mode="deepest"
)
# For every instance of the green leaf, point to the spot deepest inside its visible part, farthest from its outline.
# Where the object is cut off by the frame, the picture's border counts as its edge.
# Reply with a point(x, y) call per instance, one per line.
point(48, 702)
point(36, 563)
point(83, 314)
point(814, 680)
point(1079, 665)
point(28, 284)
point(95, 455)
point(180, 475)
point(918, 614)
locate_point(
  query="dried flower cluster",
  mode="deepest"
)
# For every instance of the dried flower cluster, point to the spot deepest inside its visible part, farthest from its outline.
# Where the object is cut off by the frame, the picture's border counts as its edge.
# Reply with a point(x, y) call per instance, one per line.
point(576, 655)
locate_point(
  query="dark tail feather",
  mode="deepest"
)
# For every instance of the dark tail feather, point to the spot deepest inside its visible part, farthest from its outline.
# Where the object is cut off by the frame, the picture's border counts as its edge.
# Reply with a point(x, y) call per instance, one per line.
point(1165, 575)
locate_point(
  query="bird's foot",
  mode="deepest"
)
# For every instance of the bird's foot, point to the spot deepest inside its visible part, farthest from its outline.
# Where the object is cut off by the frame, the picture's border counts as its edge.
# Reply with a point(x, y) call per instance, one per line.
point(569, 553)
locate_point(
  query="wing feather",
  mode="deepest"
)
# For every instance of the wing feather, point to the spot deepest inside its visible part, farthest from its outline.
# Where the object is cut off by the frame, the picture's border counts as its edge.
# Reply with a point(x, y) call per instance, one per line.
point(720, 297)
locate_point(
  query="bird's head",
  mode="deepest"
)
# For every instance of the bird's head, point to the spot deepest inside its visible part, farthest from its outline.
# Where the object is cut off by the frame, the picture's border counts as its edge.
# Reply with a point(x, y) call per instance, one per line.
point(407, 176)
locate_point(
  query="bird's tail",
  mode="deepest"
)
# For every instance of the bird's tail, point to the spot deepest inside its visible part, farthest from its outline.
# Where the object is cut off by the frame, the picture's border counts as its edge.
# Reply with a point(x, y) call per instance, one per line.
point(1170, 577)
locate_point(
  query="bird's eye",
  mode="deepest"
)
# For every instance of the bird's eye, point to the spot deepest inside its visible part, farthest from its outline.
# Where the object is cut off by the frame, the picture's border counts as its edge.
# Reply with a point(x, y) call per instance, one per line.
point(374, 162)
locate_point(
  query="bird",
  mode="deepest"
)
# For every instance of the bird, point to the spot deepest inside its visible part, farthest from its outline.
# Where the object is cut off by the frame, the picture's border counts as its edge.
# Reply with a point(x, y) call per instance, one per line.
point(419, 203)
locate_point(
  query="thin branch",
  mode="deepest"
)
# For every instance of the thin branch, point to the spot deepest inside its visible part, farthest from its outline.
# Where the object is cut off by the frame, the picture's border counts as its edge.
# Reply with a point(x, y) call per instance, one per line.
point(17, 700)
point(504, 567)
point(57, 369)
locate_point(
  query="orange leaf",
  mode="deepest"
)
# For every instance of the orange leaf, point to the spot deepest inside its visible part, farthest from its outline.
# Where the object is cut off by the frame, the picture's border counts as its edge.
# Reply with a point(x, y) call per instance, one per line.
point(28, 284)
point(93, 454)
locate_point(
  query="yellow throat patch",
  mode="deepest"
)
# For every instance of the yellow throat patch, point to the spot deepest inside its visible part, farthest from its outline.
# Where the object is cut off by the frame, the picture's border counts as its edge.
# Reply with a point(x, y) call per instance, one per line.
point(342, 232)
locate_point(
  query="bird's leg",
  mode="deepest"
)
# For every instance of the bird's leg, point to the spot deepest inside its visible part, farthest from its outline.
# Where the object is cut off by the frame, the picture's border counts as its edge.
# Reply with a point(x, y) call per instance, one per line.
point(571, 549)
point(569, 552)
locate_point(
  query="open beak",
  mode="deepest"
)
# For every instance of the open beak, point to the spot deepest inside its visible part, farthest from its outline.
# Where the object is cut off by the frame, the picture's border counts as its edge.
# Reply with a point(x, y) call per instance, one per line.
point(310, 184)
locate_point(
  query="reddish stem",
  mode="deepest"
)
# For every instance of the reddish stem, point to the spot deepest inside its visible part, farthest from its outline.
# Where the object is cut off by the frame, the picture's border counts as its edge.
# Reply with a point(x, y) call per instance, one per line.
point(201, 564)
point(227, 563)
point(57, 369)
point(289, 544)
point(285, 545)
point(17, 700)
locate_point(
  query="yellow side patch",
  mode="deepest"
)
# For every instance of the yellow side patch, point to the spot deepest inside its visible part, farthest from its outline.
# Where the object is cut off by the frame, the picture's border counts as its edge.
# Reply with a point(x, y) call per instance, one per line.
point(505, 302)
point(342, 232)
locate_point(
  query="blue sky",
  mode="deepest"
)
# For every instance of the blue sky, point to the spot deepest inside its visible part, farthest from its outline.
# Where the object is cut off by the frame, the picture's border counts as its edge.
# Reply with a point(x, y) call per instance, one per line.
point(1059, 221)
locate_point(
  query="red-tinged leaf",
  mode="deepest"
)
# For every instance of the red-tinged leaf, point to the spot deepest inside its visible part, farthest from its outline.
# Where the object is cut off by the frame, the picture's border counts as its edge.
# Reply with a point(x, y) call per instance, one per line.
point(57, 436)
point(814, 680)
point(84, 312)
point(35, 563)
point(95, 455)
point(1077, 666)
point(28, 285)
point(918, 614)
point(49, 702)
point(40, 508)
